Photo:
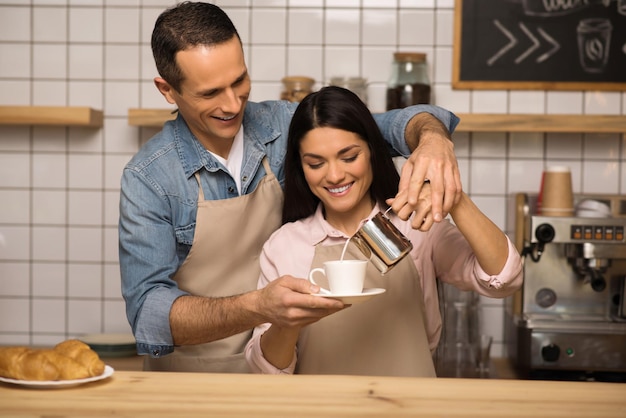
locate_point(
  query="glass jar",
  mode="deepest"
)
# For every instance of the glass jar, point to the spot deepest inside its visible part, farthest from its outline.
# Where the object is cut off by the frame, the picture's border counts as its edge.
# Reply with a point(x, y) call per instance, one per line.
point(296, 88)
point(408, 84)
point(357, 85)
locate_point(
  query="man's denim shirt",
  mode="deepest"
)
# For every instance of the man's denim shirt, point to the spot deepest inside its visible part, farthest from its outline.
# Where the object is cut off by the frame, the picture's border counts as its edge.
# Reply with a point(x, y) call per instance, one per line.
point(159, 195)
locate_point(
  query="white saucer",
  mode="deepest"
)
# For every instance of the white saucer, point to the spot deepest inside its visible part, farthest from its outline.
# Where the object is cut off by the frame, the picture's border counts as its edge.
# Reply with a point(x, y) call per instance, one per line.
point(352, 299)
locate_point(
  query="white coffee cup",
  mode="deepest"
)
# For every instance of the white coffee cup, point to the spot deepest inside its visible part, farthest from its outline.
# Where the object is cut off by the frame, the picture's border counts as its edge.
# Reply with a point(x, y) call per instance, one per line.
point(345, 277)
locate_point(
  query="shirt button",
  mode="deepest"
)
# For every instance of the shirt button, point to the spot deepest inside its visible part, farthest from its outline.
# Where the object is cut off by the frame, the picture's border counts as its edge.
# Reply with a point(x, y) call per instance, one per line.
point(156, 353)
point(244, 178)
point(231, 189)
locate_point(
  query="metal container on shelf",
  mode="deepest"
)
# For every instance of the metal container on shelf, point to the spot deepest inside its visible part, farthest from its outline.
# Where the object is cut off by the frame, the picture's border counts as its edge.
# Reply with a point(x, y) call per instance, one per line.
point(409, 83)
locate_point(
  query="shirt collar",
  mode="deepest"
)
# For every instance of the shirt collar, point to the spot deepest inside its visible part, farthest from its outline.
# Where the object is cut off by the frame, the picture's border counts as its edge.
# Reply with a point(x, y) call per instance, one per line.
point(321, 230)
point(193, 155)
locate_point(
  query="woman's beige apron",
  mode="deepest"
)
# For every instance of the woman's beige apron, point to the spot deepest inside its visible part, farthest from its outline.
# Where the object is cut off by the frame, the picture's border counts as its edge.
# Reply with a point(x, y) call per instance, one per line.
point(224, 261)
point(384, 336)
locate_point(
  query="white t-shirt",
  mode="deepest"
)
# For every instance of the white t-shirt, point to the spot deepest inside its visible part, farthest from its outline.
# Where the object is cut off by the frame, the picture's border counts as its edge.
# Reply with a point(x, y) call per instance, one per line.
point(235, 158)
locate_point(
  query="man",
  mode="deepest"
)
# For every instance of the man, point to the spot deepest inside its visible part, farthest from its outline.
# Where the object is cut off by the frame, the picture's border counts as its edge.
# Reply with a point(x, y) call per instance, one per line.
point(200, 198)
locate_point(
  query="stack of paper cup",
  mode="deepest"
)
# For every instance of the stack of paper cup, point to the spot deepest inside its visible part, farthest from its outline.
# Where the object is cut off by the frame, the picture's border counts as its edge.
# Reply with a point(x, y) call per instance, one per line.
point(556, 192)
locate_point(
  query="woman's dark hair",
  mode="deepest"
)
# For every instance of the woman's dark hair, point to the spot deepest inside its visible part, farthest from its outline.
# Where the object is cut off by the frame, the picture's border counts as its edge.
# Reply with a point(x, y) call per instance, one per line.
point(184, 26)
point(339, 108)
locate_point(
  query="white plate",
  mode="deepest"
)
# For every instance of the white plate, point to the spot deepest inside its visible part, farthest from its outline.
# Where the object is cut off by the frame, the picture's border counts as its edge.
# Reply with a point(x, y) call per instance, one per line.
point(352, 299)
point(52, 384)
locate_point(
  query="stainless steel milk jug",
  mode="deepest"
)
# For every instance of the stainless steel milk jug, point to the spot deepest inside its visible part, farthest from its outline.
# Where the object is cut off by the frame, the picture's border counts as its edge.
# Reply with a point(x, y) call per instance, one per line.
point(380, 241)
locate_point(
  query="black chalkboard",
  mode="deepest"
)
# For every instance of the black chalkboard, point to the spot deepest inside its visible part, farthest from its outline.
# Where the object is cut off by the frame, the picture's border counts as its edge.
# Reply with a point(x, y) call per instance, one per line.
point(540, 44)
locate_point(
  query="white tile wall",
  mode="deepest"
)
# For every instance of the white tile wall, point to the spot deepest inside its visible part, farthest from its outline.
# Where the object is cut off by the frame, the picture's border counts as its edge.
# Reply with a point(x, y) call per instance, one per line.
point(59, 187)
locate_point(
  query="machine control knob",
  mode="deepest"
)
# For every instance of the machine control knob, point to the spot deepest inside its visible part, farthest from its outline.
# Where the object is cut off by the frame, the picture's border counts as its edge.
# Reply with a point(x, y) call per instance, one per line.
point(550, 352)
point(544, 233)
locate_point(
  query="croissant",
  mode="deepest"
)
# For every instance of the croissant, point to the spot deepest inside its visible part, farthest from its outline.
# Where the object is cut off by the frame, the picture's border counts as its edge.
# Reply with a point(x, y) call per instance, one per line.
point(71, 359)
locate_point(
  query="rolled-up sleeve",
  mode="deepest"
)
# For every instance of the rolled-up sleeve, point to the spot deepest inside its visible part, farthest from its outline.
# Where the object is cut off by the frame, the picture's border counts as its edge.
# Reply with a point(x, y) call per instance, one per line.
point(394, 122)
point(152, 331)
point(455, 263)
point(508, 280)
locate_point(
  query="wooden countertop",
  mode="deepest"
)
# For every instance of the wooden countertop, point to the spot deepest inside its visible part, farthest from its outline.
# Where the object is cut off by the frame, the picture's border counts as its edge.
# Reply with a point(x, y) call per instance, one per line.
point(154, 394)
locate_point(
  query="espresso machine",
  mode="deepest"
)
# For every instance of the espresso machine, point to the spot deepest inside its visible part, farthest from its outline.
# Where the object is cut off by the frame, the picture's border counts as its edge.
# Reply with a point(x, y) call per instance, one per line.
point(568, 322)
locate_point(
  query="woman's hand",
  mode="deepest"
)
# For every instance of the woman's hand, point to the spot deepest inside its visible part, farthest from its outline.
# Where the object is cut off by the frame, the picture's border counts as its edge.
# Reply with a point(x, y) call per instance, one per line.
point(423, 216)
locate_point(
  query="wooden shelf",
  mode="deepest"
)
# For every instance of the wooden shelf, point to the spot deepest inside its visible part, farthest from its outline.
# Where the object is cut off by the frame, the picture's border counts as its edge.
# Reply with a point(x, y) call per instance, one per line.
point(51, 115)
point(470, 122)
point(481, 122)
point(149, 118)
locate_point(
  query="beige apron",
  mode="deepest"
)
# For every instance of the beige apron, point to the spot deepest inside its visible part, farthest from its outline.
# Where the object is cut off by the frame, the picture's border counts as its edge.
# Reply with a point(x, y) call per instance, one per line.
point(384, 336)
point(224, 261)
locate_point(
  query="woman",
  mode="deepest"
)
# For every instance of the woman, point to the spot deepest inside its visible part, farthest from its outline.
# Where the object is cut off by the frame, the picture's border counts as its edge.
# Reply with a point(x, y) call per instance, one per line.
point(338, 173)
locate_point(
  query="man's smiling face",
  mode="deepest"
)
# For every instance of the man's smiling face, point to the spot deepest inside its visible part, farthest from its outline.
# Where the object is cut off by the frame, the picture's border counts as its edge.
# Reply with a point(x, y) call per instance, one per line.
point(214, 93)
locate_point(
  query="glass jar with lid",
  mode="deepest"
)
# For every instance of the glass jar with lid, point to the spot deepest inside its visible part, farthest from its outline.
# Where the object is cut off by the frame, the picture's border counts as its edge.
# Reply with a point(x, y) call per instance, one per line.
point(357, 85)
point(409, 83)
point(296, 88)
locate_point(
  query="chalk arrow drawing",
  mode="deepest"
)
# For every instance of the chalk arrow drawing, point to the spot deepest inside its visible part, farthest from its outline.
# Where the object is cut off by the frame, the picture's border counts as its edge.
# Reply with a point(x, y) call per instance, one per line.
point(530, 50)
point(505, 49)
point(535, 44)
point(555, 46)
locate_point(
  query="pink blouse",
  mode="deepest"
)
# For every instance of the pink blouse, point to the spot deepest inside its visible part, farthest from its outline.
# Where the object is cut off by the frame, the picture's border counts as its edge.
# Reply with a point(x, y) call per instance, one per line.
point(442, 253)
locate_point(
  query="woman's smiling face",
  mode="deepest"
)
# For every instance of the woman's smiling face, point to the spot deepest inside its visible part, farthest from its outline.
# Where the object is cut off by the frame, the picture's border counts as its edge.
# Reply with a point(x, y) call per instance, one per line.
point(337, 168)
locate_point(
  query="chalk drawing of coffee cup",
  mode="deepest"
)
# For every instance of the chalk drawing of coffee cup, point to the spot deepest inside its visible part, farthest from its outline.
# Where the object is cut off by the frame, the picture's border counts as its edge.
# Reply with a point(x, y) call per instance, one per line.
point(594, 39)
